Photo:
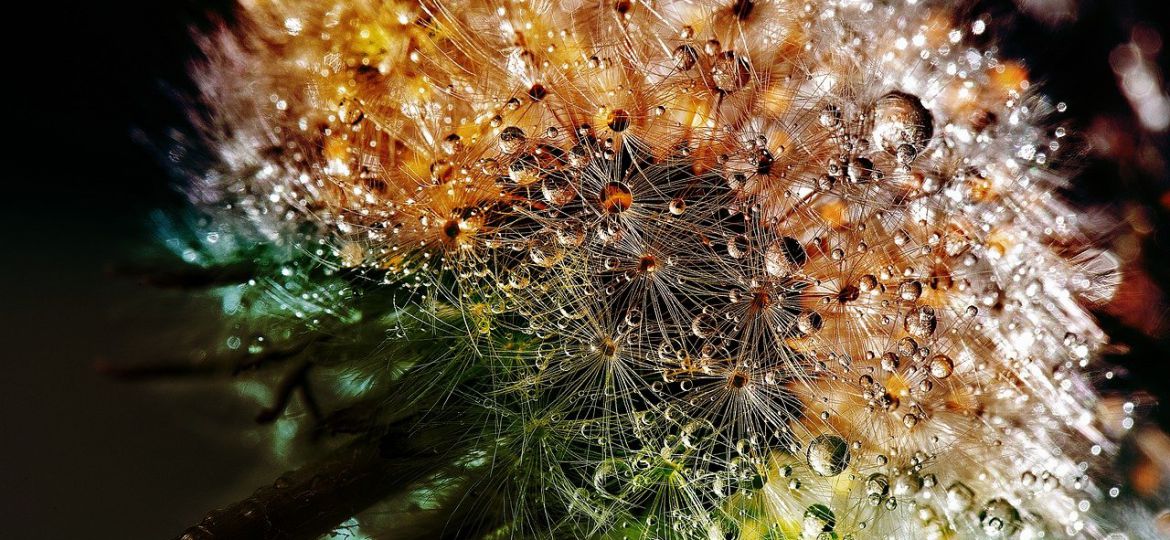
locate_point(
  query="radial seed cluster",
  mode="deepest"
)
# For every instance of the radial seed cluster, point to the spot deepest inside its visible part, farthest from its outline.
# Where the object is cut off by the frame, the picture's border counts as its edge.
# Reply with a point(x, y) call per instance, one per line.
point(791, 269)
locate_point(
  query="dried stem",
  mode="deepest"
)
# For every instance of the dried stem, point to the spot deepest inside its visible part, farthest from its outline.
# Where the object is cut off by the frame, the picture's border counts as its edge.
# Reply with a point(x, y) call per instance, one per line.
point(313, 500)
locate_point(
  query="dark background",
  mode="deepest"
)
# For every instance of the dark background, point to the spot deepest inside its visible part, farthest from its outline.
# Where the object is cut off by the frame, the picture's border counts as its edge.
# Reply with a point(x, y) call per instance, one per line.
point(82, 456)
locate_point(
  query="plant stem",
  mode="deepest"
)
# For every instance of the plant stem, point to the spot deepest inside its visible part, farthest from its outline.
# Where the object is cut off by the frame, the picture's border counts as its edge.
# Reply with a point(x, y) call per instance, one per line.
point(313, 500)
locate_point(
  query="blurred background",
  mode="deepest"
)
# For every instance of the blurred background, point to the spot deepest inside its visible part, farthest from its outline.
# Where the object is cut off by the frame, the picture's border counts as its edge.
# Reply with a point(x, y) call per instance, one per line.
point(86, 456)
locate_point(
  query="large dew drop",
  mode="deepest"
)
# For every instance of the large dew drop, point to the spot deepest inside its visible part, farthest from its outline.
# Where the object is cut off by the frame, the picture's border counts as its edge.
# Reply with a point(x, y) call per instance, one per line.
point(704, 325)
point(999, 519)
point(921, 322)
point(784, 257)
point(828, 455)
point(877, 487)
point(900, 119)
point(818, 519)
point(557, 189)
point(730, 72)
point(608, 477)
point(512, 139)
point(959, 497)
point(941, 366)
point(616, 198)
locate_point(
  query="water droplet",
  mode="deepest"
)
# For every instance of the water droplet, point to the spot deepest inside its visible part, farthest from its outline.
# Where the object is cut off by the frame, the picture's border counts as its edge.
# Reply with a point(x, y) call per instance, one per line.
point(901, 119)
point(830, 116)
point(525, 170)
point(738, 246)
point(578, 156)
point(999, 519)
point(544, 252)
point(783, 258)
point(512, 139)
point(959, 497)
point(685, 57)
point(909, 291)
point(890, 362)
point(616, 198)
point(877, 485)
point(921, 322)
point(619, 120)
point(695, 432)
point(867, 283)
point(730, 72)
point(452, 144)
point(634, 317)
point(907, 485)
point(906, 154)
point(571, 233)
point(704, 325)
point(557, 189)
point(860, 170)
point(818, 519)
point(827, 455)
point(941, 366)
point(907, 346)
point(607, 479)
point(809, 322)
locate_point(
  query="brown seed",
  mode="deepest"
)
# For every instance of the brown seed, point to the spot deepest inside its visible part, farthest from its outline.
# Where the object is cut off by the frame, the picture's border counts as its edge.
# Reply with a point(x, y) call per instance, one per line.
point(848, 294)
point(648, 264)
point(619, 120)
point(451, 229)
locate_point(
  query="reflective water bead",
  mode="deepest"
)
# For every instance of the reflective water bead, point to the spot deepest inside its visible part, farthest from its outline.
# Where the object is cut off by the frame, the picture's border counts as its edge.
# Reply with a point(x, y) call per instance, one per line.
point(921, 322)
point(900, 118)
point(818, 519)
point(827, 455)
point(960, 498)
point(999, 519)
point(941, 366)
point(877, 485)
point(512, 139)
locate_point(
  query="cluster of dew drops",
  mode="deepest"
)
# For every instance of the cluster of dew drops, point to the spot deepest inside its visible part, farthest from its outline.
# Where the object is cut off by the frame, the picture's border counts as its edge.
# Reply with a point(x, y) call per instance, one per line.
point(803, 308)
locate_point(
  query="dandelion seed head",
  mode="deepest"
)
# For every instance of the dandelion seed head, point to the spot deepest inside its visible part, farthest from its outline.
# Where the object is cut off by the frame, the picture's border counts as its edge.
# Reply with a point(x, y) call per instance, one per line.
point(793, 269)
